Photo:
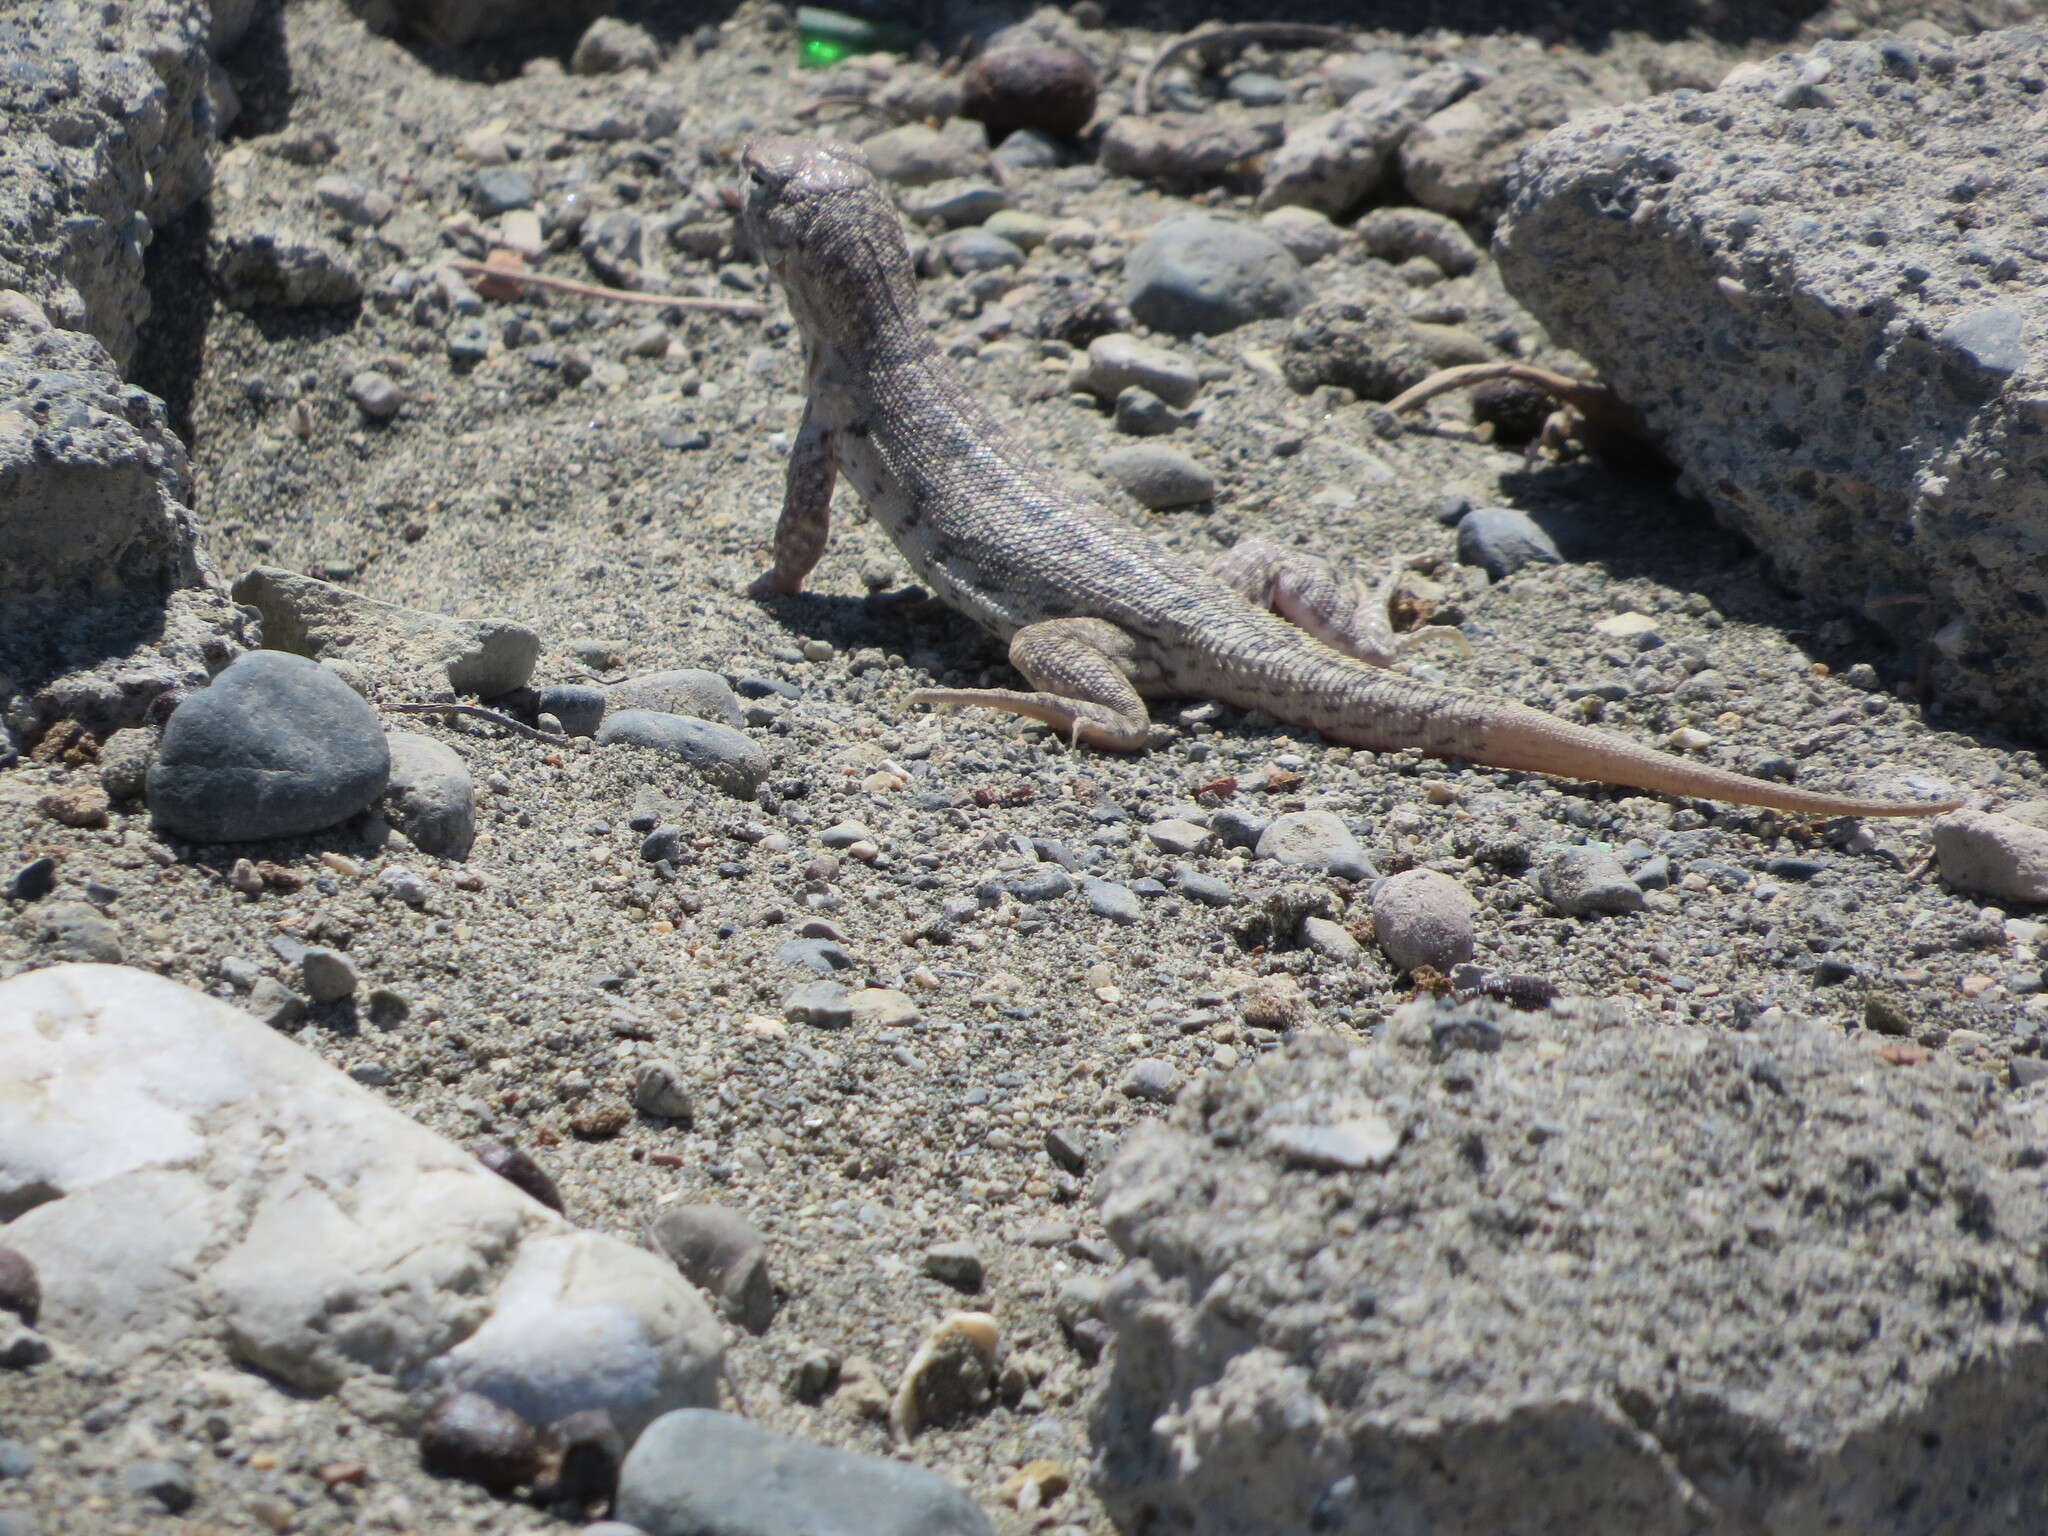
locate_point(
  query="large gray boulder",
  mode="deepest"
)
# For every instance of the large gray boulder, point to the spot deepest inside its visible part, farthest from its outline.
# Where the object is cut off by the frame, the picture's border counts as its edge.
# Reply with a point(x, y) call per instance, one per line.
point(1825, 286)
point(1523, 1273)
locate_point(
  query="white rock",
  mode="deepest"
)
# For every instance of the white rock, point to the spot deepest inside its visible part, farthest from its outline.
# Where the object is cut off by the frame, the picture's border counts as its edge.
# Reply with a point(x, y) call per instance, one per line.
point(173, 1166)
point(586, 1321)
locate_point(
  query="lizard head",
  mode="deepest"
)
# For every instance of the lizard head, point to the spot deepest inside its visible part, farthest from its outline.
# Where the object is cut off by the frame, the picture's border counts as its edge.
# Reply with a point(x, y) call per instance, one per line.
point(818, 219)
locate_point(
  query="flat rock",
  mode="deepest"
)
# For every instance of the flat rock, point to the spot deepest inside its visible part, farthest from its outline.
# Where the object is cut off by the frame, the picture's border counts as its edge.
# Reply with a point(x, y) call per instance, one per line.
point(1119, 361)
point(723, 756)
point(1158, 477)
point(430, 797)
point(679, 691)
point(1457, 160)
point(1772, 274)
point(1181, 147)
point(400, 646)
point(281, 268)
point(916, 155)
point(1314, 840)
point(696, 1473)
point(1312, 1333)
point(277, 746)
point(1197, 275)
point(172, 1166)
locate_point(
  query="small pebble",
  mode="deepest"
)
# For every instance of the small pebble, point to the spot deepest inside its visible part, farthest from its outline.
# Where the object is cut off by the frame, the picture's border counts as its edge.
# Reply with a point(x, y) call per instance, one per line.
point(722, 1252)
point(661, 1089)
point(1501, 540)
point(166, 1482)
point(1579, 881)
point(519, 1170)
point(376, 395)
point(956, 1264)
point(20, 1291)
point(951, 1376)
point(1153, 1079)
point(1159, 477)
point(822, 1004)
point(1421, 917)
point(466, 1435)
point(1315, 841)
point(328, 975)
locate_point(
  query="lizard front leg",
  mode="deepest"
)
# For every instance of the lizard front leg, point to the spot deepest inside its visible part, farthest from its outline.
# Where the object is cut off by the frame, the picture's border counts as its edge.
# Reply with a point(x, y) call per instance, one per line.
point(1305, 591)
point(806, 519)
point(1082, 670)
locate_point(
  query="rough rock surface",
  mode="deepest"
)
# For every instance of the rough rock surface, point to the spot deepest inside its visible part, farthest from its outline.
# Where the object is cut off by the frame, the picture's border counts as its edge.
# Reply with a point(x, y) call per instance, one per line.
point(1301, 1349)
point(171, 1166)
point(1719, 256)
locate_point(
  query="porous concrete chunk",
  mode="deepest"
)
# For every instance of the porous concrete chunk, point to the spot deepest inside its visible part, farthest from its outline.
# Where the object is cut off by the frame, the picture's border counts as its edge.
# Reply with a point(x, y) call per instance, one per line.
point(1332, 163)
point(92, 479)
point(1777, 276)
point(172, 1166)
point(401, 647)
point(1497, 1271)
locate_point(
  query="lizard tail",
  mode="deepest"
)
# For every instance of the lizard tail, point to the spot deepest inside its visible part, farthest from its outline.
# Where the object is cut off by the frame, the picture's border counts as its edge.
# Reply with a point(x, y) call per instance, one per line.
point(1368, 707)
point(1520, 737)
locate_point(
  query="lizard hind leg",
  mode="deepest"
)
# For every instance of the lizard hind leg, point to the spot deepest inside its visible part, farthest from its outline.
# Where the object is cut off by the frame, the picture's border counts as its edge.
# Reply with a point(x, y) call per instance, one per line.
point(1305, 591)
point(1081, 669)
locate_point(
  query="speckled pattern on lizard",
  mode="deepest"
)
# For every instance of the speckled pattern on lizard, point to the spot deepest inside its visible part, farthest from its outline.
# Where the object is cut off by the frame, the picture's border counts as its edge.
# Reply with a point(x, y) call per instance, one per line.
point(1098, 618)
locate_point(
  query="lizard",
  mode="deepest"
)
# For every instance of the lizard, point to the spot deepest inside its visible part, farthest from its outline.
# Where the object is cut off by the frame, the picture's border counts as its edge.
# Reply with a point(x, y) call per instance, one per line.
point(1097, 617)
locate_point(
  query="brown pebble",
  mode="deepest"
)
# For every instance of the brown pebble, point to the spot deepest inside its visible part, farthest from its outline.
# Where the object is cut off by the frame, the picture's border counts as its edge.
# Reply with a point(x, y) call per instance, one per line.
point(76, 805)
point(601, 1123)
point(335, 1473)
point(587, 1449)
point(466, 1435)
point(521, 1172)
point(1038, 86)
point(20, 1291)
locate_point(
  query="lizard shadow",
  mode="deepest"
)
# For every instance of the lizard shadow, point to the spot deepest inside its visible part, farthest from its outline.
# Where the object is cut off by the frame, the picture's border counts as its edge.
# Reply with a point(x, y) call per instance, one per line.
point(903, 620)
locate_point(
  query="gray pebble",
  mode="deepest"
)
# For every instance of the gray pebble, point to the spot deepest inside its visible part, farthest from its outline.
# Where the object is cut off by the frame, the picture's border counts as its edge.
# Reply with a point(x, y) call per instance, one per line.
point(1038, 886)
point(1422, 917)
point(1199, 275)
point(467, 341)
point(500, 189)
point(579, 707)
point(916, 155)
point(1106, 898)
point(687, 691)
point(1395, 234)
point(1237, 828)
point(824, 1004)
point(1315, 840)
point(16, 1459)
point(844, 834)
point(821, 957)
point(1177, 837)
point(967, 251)
point(609, 45)
point(1118, 361)
point(1343, 1146)
point(275, 1003)
point(166, 1482)
point(1140, 413)
point(1330, 939)
point(1255, 89)
point(721, 1251)
point(956, 204)
point(956, 1264)
point(1068, 1148)
point(1159, 477)
point(1501, 540)
point(278, 746)
point(327, 974)
point(660, 1089)
point(376, 395)
point(1153, 1079)
point(725, 758)
point(1579, 880)
point(696, 1470)
point(430, 796)
point(1204, 890)
point(1027, 150)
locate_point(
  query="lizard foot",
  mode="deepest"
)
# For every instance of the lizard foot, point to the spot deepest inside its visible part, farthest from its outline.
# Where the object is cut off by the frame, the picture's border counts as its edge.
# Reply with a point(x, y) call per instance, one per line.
point(1081, 669)
point(775, 584)
point(1344, 615)
point(1076, 719)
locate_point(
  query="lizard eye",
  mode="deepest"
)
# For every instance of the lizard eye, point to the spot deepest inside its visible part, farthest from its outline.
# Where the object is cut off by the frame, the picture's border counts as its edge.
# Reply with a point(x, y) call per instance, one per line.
point(757, 176)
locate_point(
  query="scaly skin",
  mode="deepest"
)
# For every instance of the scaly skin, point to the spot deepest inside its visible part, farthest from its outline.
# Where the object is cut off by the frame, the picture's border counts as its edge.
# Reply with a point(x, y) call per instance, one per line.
point(1097, 617)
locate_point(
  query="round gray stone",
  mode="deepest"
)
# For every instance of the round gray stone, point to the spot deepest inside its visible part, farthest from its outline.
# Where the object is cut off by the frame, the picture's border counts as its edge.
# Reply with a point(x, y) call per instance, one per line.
point(278, 746)
point(1198, 275)
point(679, 691)
point(1159, 477)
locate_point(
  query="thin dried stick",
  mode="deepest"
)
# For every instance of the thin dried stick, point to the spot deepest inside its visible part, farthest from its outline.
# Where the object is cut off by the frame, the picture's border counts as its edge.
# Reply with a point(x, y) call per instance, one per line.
point(1299, 32)
point(746, 309)
point(477, 711)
